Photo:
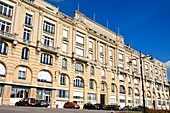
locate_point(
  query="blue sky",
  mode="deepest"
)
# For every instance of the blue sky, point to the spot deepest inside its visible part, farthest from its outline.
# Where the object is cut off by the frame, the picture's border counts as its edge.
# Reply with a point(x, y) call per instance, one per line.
point(144, 24)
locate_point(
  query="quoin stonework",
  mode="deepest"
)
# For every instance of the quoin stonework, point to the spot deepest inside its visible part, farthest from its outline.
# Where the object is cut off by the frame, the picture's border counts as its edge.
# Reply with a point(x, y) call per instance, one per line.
point(48, 55)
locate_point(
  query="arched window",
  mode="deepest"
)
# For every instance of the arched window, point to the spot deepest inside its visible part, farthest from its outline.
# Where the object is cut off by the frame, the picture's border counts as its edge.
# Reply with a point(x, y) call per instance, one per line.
point(63, 79)
point(136, 82)
point(121, 77)
point(25, 53)
point(122, 89)
point(92, 70)
point(113, 87)
point(79, 67)
point(46, 59)
point(136, 92)
point(158, 96)
point(3, 48)
point(64, 63)
point(78, 82)
point(148, 94)
point(91, 84)
point(2, 70)
point(44, 76)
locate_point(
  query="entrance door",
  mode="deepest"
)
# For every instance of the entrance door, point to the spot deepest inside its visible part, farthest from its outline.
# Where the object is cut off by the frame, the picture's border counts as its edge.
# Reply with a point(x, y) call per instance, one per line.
point(47, 95)
point(154, 104)
point(102, 98)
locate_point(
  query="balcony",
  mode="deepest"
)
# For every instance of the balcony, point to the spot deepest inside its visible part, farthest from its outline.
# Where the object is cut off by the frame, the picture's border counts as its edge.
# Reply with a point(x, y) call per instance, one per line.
point(7, 36)
point(80, 58)
point(50, 49)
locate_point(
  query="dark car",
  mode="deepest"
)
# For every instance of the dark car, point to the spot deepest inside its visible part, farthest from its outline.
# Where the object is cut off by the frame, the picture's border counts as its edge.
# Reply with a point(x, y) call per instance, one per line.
point(41, 103)
point(26, 102)
point(71, 105)
point(138, 108)
point(113, 107)
point(127, 108)
point(89, 106)
point(100, 106)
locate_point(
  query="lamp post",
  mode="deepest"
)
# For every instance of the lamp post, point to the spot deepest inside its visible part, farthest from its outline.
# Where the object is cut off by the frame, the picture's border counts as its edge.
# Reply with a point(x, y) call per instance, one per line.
point(141, 71)
point(142, 82)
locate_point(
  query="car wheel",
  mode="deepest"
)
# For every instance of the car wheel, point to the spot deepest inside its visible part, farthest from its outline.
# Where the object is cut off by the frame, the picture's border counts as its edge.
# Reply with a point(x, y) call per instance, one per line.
point(16, 104)
point(25, 105)
point(73, 107)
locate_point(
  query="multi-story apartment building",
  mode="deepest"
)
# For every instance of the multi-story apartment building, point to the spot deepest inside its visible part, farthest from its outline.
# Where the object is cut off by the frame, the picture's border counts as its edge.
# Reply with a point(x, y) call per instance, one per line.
point(46, 54)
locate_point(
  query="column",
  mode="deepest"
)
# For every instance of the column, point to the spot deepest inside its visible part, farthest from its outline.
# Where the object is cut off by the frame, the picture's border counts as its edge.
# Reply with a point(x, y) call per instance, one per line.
point(98, 94)
point(71, 91)
point(97, 51)
point(86, 46)
point(33, 92)
point(6, 94)
point(73, 40)
point(53, 99)
point(108, 96)
point(85, 92)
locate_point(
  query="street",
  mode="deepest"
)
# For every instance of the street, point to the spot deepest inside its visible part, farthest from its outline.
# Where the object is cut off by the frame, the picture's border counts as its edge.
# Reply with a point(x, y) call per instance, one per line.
point(16, 109)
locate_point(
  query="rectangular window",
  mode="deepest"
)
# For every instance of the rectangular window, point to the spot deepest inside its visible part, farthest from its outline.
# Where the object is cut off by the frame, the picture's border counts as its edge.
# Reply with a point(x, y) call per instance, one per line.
point(79, 51)
point(101, 49)
point(48, 41)
point(62, 93)
point(121, 65)
point(91, 56)
point(5, 26)
point(28, 19)
point(46, 59)
point(91, 45)
point(113, 76)
point(80, 38)
point(65, 33)
point(101, 59)
point(6, 9)
point(22, 73)
point(39, 94)
point(110, 53)
point(122, 100)
point(121, 56)
point(19, 92)
point(111, 62)
point(64, 47)
point(149, 103)
point(137, 101)
point(91, 96)
point(27, 34)
point(49, 27)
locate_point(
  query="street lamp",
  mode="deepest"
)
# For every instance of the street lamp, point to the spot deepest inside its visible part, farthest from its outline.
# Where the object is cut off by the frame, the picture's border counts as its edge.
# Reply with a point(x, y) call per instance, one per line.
point(141, 58)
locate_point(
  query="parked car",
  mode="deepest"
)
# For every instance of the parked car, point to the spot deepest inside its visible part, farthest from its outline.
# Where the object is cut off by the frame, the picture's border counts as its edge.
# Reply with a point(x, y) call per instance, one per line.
point(127, 108)
point(26, 102)
point(89, 106)
point(71, 105)
point(113, 107)
point(139, 108)
point(41, 103)
point(100, 106)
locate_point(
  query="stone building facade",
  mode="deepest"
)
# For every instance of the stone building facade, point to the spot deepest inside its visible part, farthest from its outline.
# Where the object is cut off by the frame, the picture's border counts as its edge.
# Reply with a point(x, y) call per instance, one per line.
point(48, 55)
